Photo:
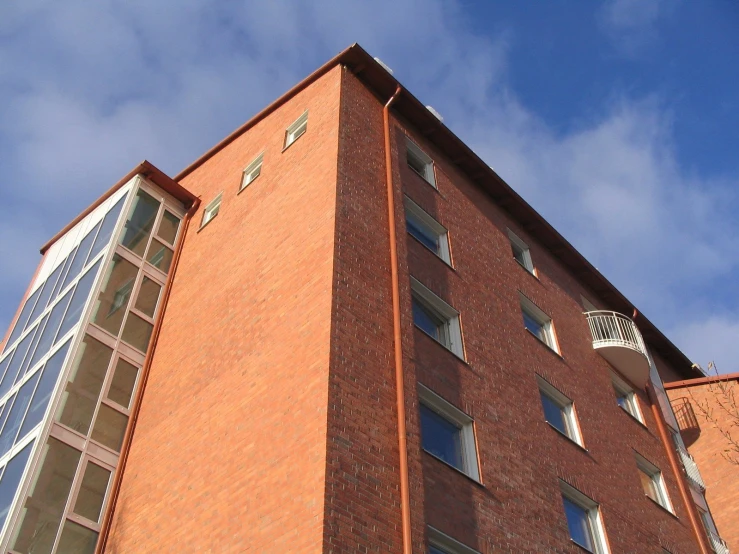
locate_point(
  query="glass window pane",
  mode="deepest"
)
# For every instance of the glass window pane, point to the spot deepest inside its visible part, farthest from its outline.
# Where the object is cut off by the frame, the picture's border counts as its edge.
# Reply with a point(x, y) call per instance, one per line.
point(441, 437)
point(32, 349)
point(578, 524)
point(106, 229)
point(124, 380)
point(647, 483)
point(148, 297)
point(92, 492)
point(80, 257)
point(22, 319)
point(76, 539)
point(168, 227)
point(425, 235)
point(79, 299)
point(114, 294)
point(3, 367)
point(15, 417)
point(16, 364)
point(43, 299)
point(137, 332)
point(45, 504)
point(110, 426)
point(160, 256)
point(55, 318)
point(533, 325)
point(424, 319)
point(140, 221)
point(553, 413)
point(62, 275)
point(85, 383)
point(43, 391)
point(11, 479)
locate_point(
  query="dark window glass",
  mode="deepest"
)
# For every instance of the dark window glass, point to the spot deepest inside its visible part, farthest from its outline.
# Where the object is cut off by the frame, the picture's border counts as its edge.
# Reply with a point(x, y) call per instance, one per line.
point(52, 325)
point(81, 294)
point(33, 348)
point(441, 437)
point(124, 380)
point(424, 235)
point(15, 418)
point(168, 227)
point(80, 256)
point(20, 324)
point(3, 367)
point(533, 325)
point(553, 413)
point(11, 480)
point(148, 297)
point(137, 332)
point(425, 320)
point(43, 299)
point(16, 364)
point(578, 523)
point(63, 274)
point(623, 399)
point(92, 492)
point(106, 229)
point(140, 221)
point(159, 256)
point(114, 295)
point(77, 539)
point(110, 426)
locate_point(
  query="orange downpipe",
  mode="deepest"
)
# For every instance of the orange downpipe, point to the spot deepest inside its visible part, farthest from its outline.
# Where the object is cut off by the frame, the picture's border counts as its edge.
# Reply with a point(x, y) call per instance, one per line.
point(405, 502)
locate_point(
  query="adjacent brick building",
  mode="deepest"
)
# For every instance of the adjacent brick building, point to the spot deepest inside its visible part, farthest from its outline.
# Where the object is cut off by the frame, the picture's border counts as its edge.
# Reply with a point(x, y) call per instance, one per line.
point(337, 331)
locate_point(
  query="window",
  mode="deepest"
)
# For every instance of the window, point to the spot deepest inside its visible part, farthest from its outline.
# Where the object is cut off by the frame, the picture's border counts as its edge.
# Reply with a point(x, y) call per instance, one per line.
point(583, 520)
point(121, 296)
point(427, 230)
point(297, 129)
point(559, 411)
point(538, 323)
point(252, 171)
point(441, 543)
point(521, 252)
point(447, 433)
point(211, 210)
point(652, 482)
point(626, 398)
point(436, 318)
point(419, 162)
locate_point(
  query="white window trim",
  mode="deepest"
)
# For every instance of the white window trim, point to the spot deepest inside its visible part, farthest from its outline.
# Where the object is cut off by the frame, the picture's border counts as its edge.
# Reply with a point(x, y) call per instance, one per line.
point(456, 416)
point(654, 473)
point(213, 204)
point(528, 263)
point(597, 528)
point(631, 399)
point(542, 319)
point(296, 129)
point(424, 219)
point(413, 150)
point(252, 171)
point(442, 541)
point(568, 410)
point(450, 316)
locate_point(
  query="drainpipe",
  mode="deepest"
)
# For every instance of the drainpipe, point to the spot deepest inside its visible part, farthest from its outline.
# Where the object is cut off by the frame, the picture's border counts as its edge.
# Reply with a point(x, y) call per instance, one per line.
point(126, 447)
point(405, 503)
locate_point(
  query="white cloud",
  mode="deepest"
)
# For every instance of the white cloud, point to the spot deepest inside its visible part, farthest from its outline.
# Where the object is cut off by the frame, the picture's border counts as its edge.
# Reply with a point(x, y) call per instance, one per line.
point(632, 24)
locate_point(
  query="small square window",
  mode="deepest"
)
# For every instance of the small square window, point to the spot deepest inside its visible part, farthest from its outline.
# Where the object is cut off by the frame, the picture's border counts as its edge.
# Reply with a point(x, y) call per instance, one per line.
point(559, 411)
point(447, 433)
point(211, 210)
point(626, 398)
point(583, 520)
point(427, 230)
point(297, 129)
point(441, 543)
point(436, 318)
point(521, 252)
point(538, 323)
point(252, 171)
point(652, 482)
point(420, 162)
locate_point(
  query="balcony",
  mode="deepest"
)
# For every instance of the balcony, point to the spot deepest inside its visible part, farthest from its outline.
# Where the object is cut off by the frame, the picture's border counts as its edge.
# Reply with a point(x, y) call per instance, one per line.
point(691, 468)
point(718, 544)
point(690, 429)
point(618, 340)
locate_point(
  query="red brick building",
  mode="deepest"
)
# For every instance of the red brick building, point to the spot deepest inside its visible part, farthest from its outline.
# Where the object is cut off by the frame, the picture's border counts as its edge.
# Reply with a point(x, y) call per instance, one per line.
point(347, 334)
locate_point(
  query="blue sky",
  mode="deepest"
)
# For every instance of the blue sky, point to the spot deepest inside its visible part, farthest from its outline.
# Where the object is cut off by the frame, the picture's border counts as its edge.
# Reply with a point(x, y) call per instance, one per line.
point(618, 120)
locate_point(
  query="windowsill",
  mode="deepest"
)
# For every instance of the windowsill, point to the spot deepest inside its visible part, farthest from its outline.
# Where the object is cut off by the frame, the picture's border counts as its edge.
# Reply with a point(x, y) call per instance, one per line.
point(452, 352)
point(532, 272)
point(204, 225)
point(552, 350)
point(661, 507)
point(242, 189)
point(448, 264)
point(293, 142)
point(447, 464)
point(569, 439)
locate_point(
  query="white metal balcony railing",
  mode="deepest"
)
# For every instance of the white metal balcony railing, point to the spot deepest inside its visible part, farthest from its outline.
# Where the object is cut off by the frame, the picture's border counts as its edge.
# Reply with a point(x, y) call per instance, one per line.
point(691, 468)
point(718, 544)
point(619, 341)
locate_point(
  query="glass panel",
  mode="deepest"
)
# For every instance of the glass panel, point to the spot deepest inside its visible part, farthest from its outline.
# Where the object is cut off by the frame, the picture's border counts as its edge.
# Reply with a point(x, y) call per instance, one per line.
point(76, 539)
point(32, 349)
point(3, 367)
point(124, 380)
point(140, 222)
point(148, 297)
point(553, 413)
point(647, 483)
point(533, 325)
point(43, 299)
point(159, 256)
point(45, 388)
point(55, 318)
point(168, 227)
point(79, 299)
point(11, 479)
point(6, 409)
point(110, 426)
point(89, 501)
point(62, 275)
point(137, 332)
point(424, 319)
point(107, 227)
point(20, 324)
point(114, 294)
point(441, 437)
point(80, 256)
point(15, 364)
point(424, 235)
point(15, 418)
point(85, 383)
point(578, 524)
point(43, 509)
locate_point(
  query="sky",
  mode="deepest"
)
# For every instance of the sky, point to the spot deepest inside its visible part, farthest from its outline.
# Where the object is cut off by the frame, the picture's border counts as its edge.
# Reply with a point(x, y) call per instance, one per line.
point(618, 120)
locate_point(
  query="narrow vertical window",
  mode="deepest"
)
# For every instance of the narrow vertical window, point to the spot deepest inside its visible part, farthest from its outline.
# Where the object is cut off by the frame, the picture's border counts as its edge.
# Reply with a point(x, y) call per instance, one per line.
point(251, 172)
point(436, 318)
point(211, 210)
point(538, 323)
point(583, 520)
point(521, 252)
point(420, 162)
point(652, 482)
point(559, 411)
point(424, 228)
point(626, 398)
point(297, 129)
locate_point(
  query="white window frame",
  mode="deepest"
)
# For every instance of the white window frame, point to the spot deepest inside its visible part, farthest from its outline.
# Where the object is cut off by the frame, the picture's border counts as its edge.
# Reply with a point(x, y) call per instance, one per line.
point(296, 129)
point(447, 544)
point(424, 220)
point(459, 419)
point(213, 205)
point(632, 400)
point(566, 406)
point(451, 329)
point(252, 171)
point(518, 245)
point(533, 311)
point(654, 473)
point(595, 519)
point(414, 152)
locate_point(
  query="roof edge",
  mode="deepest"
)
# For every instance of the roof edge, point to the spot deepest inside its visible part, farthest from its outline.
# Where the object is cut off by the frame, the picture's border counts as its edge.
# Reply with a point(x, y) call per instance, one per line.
point(701, 381)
